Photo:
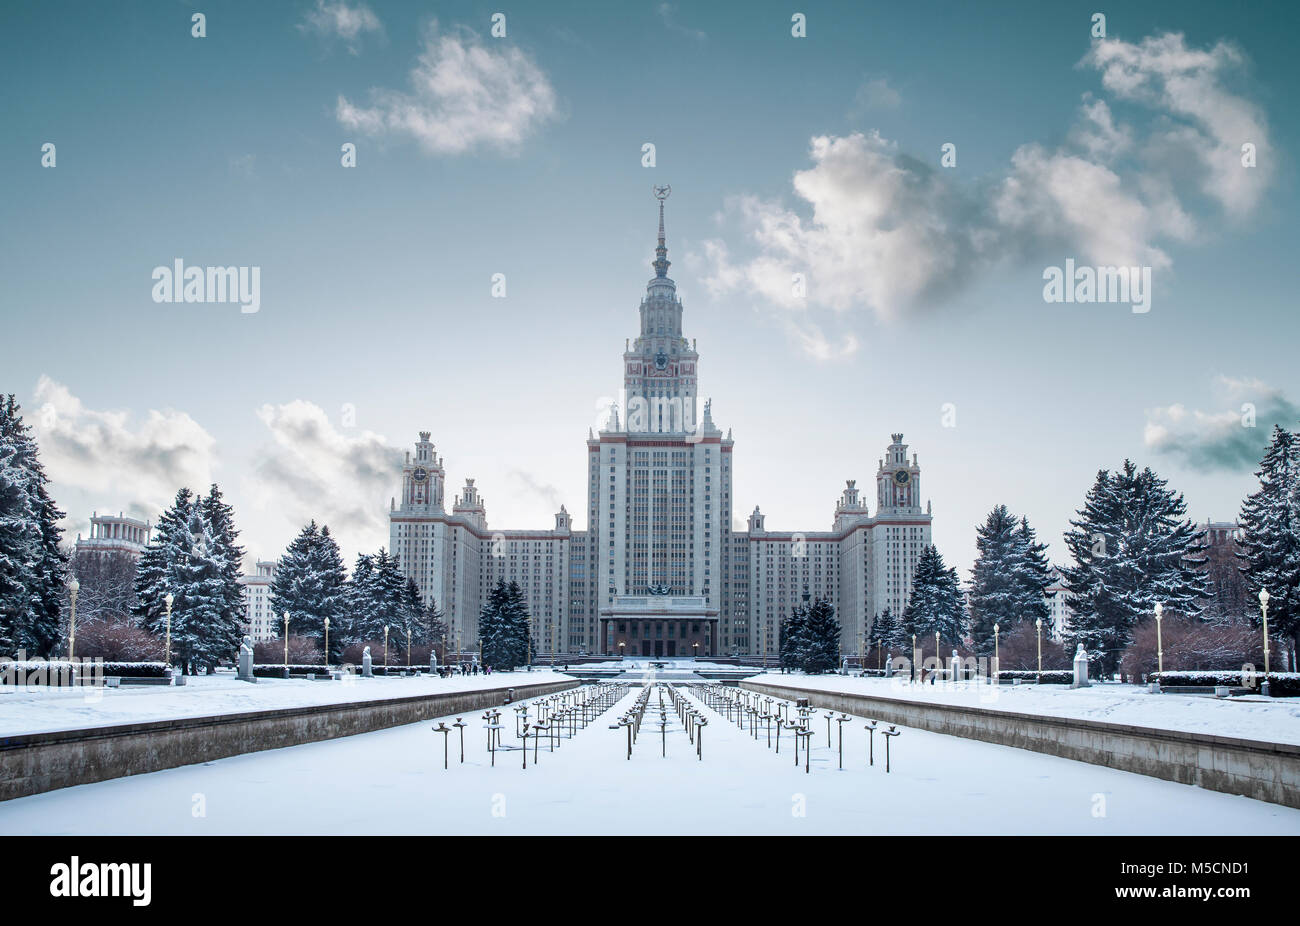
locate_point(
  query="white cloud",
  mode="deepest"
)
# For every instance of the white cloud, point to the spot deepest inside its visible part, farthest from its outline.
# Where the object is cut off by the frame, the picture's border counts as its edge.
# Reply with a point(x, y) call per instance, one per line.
point(108, 461)
point(1188, 83)
point(339, 20)
point(464, 95)
point(876, 230)
point(313, 470)
point(885, 231)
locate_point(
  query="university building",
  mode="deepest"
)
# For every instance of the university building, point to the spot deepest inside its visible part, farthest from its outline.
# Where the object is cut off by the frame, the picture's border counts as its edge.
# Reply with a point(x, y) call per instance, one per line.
point(660, 569)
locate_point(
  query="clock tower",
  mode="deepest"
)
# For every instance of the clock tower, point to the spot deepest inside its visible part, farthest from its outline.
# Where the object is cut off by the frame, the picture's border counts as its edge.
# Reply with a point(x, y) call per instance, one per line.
point(898, 481)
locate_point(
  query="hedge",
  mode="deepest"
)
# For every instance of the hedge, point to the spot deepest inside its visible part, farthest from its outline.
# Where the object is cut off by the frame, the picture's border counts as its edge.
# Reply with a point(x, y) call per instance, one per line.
point(57, 671)
point(1046, 677)
point(1280, 684)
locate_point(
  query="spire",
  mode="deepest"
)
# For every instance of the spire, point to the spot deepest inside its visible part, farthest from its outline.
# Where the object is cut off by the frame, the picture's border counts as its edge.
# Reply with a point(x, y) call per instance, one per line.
point(661, 262)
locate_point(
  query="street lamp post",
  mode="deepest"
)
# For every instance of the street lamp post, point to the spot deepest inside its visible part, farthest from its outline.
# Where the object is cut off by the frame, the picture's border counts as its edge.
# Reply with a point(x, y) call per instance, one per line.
point(1160, 645)
point(913, 657)
point(73, 587)
point(996, 628)
point(1039, 624)
point(1263, 606)
point(385, 648)
point(286, 637)
point(408, 644)
point(327, 643)
point(168, 599)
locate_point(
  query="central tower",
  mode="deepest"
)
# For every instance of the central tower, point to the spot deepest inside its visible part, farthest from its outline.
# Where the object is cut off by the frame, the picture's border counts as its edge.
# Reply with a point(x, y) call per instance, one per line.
point(659, 505)
point(659, 367)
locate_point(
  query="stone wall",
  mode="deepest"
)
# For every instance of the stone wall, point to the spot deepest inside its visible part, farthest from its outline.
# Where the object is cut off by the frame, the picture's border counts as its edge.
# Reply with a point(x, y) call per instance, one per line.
point(1265, 771)
point(34, 762)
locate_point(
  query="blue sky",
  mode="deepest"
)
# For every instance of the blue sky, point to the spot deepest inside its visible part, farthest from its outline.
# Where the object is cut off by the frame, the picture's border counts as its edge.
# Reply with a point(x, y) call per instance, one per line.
point(522, 155)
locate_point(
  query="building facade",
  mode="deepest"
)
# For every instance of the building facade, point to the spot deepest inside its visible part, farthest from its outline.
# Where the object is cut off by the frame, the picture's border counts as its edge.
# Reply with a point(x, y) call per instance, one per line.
point(115, 534)
point(661, 569)
point(259, 620)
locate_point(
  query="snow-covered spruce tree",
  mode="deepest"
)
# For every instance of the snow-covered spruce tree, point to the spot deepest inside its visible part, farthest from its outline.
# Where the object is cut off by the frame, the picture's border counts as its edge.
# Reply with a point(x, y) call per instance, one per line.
point(822, 634)
point(520, 624)
point(1009, 579)
point(153, 574)
point(361, 616)
point(33, 570)
point(186, 558)
point(1033, 574)
point(935, 603)
point(994, 588)
point(310, 584)
point(503, 627)
point(793, 638)
point(225, 636)
point(1132, 547)
point(885, 633)
point(1270, 537)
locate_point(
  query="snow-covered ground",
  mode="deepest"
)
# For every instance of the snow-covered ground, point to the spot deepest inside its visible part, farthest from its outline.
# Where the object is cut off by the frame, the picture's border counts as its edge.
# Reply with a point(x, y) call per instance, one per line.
point(37, 708)
point(392, 781)
point(1274, 720)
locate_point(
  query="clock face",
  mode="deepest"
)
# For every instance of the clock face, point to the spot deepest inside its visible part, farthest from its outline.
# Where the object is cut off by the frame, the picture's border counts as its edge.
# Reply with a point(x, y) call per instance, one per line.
point(902, 476)
point(661, 361)
point(420, 474)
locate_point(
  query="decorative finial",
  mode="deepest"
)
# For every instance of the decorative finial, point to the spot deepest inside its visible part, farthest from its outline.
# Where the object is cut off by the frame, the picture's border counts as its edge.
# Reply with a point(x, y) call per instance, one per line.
point(661, 262)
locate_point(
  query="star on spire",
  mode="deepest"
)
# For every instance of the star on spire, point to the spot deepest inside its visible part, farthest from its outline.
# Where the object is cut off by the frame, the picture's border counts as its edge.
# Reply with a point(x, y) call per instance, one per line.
point(661, 262)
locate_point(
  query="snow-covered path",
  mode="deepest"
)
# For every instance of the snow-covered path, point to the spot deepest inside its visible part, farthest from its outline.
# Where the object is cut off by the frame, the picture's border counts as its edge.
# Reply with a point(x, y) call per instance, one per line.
point(392, 781)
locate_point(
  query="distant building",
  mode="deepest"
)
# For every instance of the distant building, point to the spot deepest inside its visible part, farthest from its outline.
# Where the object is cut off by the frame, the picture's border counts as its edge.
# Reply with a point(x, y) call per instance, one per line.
point(261, 623)
point(115, 534)
point(660, 569)
point(1228, 598)
point(1060, 611)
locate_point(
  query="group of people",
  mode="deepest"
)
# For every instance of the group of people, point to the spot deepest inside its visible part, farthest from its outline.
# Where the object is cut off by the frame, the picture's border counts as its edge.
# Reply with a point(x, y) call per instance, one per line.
point(461, 668)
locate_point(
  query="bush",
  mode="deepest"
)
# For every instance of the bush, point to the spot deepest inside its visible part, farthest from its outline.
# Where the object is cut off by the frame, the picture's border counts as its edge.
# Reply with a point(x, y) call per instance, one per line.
point(1018, 650)
point(1046, 677)
point(1190, 644)
point(1280, 684)
point(276, 669)
point(59, 671)
point(302, 651)
point(120, 640)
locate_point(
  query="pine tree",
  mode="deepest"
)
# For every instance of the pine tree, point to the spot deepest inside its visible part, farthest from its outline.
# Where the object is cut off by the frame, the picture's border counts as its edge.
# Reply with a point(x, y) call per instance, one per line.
point(310, 583)
point(1010, 578)
point(885, 632)
point(153, 574)
point(793, 637)
point(503, 627)
point(821, 652)
point(1132, 548)
point(33, 570)
point(362, 620)
point(1270, 541)
point(1033, 574)
point(226, 635)
point(995, 591)
point(935, 603)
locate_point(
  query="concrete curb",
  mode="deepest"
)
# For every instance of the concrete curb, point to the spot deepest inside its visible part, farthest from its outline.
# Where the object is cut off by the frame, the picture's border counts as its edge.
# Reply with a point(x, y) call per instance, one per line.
point(31, 763)
point(1253, 768)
